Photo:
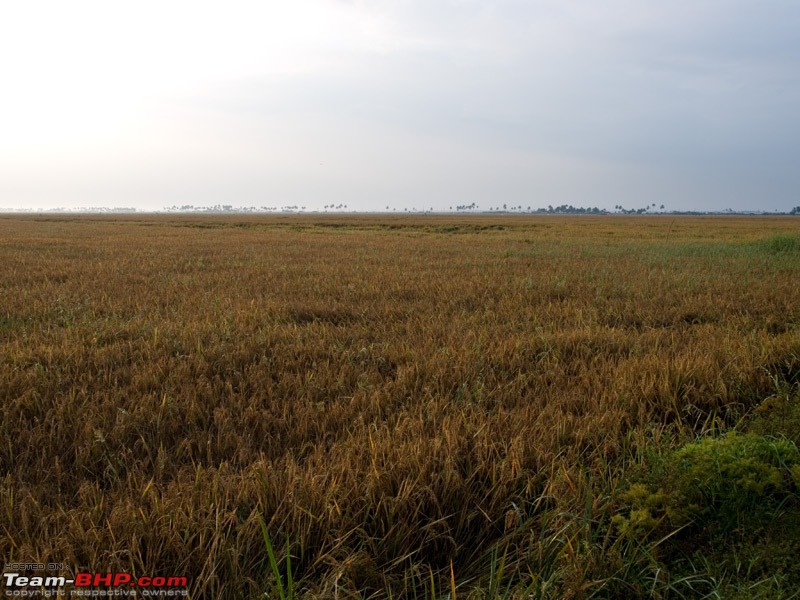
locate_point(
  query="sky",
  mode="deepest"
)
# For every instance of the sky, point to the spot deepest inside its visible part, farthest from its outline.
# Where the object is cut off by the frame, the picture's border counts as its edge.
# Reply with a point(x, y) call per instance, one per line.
point(419, 104)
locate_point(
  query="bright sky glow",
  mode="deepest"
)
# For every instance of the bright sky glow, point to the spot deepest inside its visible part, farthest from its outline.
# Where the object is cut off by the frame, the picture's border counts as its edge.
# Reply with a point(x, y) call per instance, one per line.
point(691, 104)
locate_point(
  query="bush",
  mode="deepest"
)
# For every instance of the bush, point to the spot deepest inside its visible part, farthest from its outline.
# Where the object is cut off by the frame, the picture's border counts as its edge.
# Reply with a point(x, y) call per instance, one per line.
point(716, 484)
point(735, 480)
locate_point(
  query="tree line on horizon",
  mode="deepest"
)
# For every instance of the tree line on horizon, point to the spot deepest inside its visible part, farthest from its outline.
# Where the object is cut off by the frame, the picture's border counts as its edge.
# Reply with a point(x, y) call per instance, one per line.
point(563, 209)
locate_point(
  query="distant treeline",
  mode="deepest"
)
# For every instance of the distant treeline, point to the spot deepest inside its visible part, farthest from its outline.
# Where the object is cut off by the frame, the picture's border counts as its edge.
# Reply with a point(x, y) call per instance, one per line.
point(564, 209)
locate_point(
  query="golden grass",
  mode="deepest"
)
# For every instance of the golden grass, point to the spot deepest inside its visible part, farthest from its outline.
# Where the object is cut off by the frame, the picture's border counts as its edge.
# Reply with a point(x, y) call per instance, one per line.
point(397, 396)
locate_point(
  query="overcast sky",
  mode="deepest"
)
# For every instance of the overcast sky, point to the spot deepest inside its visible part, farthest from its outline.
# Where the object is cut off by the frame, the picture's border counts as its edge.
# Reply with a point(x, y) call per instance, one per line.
point(689, 103)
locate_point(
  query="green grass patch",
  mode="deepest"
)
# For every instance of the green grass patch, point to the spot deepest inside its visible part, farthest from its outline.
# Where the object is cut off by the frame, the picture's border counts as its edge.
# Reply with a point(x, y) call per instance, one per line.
point(780, 244)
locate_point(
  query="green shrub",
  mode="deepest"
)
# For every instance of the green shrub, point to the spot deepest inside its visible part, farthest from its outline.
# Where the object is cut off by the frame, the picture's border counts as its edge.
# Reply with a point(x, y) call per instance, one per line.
point(717, 484)
point(646, 511)
point(735, 480)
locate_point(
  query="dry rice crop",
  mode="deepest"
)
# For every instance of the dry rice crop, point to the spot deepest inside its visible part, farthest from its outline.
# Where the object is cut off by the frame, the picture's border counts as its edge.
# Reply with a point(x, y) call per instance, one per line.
point(413, 404)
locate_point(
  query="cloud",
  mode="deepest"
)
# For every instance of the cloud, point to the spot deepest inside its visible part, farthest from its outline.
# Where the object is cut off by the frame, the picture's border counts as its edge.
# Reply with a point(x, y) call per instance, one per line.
point(687, 103)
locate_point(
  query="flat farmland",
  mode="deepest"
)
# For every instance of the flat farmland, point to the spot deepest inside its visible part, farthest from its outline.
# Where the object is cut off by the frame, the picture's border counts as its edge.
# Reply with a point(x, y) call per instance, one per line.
point(403, 406)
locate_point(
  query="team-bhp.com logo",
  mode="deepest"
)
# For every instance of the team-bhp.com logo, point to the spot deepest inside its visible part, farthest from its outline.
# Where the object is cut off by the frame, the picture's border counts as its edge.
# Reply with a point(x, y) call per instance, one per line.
point(92, 585)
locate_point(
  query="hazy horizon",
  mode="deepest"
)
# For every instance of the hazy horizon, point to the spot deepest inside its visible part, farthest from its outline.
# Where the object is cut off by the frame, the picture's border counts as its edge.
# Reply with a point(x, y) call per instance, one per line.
point(404, 103)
